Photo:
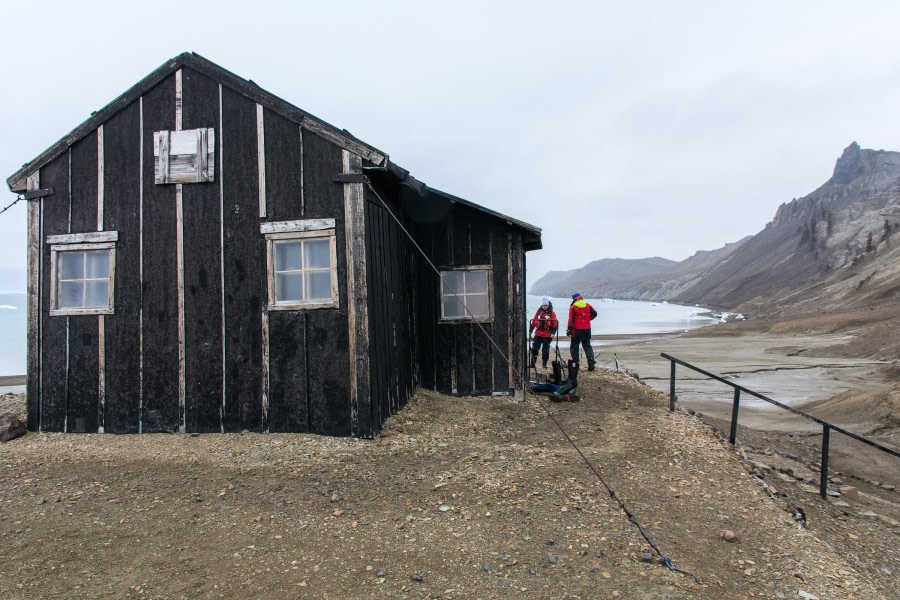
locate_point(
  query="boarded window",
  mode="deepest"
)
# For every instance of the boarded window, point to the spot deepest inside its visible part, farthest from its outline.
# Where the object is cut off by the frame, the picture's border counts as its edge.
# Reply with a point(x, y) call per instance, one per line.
point(184, 156)
point(83, 278)
point(302, 271)
point(466, 294)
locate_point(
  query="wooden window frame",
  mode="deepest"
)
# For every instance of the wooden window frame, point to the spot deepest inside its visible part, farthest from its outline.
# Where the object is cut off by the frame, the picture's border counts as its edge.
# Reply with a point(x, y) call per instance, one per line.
point(55, 251)
point(489, 318)
point(204, 156)
point(300, 230)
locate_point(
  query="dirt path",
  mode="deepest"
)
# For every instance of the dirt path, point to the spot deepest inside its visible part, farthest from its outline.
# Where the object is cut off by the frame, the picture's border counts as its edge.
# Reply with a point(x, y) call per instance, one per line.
point(460, 498)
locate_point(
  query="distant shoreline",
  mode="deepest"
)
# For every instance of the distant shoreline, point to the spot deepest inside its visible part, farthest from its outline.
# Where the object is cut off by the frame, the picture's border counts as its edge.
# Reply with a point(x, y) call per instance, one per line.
point(10, 380)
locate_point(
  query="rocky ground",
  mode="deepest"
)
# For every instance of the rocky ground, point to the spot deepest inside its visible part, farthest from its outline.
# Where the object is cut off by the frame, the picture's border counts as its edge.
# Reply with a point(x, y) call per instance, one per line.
point(459, 498)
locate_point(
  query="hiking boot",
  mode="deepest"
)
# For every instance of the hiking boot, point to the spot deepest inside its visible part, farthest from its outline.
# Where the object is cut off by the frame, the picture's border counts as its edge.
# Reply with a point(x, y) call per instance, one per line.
point(591, 366)
point(544, 363)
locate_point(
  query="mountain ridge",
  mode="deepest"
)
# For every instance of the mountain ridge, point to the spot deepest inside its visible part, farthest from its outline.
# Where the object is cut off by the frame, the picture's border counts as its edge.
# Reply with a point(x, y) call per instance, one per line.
point(833, 245)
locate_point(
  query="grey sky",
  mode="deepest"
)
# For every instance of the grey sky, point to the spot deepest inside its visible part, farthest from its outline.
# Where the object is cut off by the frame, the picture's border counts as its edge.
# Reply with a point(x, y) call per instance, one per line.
point(623, 129)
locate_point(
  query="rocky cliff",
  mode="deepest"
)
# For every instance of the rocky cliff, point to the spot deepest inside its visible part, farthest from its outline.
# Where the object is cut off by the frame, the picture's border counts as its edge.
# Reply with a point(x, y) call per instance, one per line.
point(836, 247)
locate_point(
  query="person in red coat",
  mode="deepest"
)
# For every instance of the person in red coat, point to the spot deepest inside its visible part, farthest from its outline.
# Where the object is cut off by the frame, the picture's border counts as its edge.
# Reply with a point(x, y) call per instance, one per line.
point(544, 325)
point(579, 328)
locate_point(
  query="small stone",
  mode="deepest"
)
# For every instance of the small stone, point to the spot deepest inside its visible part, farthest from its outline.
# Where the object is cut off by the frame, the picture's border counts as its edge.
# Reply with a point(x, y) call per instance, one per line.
point(551, 558)
point(487, 568)
point(728, 535)
point(834, 493)
point(534, 571)
point(41, 501)
point(888, 487)
point(338, 512)
point(885, 570)
point(418, 577)
point(646, 557)
point(807, 595)
point(849, 492)
point(444, 507)
point(335, 497)
point(381, 572)
point(550, 542)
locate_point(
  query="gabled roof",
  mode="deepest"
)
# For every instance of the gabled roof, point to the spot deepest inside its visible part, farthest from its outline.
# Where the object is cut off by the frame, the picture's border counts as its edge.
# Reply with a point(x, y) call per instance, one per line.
point(248, 88)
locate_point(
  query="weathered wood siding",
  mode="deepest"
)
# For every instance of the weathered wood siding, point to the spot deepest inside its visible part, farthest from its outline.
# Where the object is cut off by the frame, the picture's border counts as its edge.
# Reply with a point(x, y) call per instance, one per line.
point(457, 357)
point(244, 252)
point(393, 339)
point(191, 343)
point(121, 212)
point(160, 274)
point(202, 271)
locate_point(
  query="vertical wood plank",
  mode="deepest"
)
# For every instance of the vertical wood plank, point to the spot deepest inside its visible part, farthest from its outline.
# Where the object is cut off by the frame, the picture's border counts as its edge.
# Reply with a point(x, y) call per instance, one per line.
point(120, 366)
point(33, 314)
point(357, 300)
point(54, 348)
point(160, 299)
point(222, 260)
point(202, 268)
point(179, 252)
point(261, 158)
point(245, 267)
point(264, 420)
point(100, 191)
point(141, 265)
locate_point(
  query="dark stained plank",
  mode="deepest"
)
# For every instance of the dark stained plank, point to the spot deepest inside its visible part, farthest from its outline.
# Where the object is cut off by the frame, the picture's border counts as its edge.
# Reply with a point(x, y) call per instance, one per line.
point(502, 312)
point(83, 413)
point(327, 339)
point(202, 271)
point(84, 184)
point(288, 405)
point(121, 210)
point(245, 265)
point(283, 168)
point(160, 281)
point(54, 330)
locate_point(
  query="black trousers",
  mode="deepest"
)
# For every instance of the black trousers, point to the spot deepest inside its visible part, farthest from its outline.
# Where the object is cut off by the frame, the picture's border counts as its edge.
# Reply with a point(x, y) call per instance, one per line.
point(536, 344)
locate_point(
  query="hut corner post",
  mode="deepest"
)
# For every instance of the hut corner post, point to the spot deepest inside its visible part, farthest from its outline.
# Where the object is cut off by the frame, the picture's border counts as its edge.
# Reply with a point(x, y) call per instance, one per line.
point(357, 300)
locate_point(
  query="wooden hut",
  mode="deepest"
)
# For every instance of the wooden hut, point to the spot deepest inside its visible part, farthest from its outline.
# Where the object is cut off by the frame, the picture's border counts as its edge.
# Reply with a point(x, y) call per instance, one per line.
point(206, 257)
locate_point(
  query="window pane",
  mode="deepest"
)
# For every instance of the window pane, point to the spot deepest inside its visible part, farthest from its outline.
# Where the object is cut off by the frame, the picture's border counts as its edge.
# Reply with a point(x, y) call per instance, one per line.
point(318, 254)
point(287, 256)
point(476, 282)
point(97, 293)
point(453, 308)
point(71, 265)
point(71, 294)
point(97, 265)
point(478, 305)
point(452, 281)
point(319, 285)
point(289, 287)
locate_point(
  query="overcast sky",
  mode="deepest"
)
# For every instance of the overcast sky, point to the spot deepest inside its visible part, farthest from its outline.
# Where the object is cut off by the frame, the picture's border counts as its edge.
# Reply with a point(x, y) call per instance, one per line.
point(622, 129)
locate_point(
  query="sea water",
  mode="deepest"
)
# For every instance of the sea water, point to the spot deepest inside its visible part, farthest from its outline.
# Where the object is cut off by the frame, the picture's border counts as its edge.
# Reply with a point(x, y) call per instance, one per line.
point(12, 334)
point(623, 318)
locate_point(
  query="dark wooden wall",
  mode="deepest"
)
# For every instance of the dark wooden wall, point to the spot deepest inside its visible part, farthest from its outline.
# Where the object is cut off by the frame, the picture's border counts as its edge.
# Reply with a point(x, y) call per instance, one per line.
point(457, 357)
point(393, 338)
point(295, 379)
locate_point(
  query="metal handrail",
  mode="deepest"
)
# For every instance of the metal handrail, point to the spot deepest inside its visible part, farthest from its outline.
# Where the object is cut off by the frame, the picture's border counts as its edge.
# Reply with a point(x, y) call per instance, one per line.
point(826, 426)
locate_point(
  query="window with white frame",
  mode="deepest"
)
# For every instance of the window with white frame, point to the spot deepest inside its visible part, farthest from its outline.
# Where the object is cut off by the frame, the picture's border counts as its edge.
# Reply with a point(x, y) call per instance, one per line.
point(301, 264)
point(83, 276)
point(466, 294)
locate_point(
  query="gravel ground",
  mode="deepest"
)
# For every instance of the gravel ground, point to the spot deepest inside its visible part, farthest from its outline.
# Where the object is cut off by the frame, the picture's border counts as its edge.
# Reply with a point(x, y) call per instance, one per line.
point(459, 498)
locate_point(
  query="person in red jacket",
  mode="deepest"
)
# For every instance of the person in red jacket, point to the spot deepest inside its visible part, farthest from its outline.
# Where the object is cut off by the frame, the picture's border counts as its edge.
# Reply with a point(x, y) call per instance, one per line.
point(579, 328)
point(544, 325)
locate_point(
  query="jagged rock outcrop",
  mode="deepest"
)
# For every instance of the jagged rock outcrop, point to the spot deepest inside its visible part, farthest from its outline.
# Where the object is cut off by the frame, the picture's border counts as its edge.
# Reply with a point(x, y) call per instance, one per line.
point(839, 241)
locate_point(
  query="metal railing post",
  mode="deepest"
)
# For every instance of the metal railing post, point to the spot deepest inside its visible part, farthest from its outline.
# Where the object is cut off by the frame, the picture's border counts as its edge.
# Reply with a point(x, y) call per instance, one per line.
point(672, 387)
point(823, 476)
point(734, 415)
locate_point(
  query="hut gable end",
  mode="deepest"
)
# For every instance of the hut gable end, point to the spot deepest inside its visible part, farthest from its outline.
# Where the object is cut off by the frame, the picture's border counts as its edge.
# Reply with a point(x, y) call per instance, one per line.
point(215, 259)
